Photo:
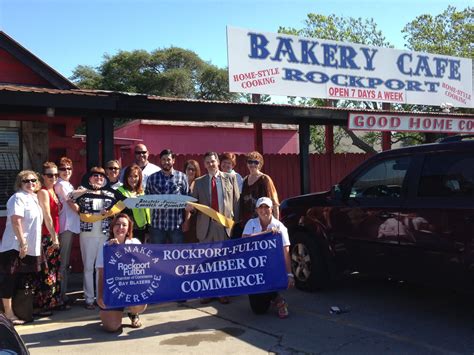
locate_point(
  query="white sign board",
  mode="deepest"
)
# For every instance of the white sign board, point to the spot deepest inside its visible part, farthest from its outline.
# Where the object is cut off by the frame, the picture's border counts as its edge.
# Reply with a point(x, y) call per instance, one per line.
point(279, 64)
point(409, 123)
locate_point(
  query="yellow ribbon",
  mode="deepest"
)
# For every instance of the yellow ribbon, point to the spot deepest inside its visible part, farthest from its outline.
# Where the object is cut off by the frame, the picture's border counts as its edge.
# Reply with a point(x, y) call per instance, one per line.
point(91, 218)
point(119, 206)
point(208, 211)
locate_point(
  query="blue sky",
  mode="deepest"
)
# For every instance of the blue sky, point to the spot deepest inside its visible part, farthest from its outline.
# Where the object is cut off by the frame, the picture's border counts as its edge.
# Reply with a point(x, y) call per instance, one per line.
point(67, 33)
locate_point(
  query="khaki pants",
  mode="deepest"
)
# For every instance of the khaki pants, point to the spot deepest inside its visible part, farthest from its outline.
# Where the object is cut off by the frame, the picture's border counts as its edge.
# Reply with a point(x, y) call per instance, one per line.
point(65, 241)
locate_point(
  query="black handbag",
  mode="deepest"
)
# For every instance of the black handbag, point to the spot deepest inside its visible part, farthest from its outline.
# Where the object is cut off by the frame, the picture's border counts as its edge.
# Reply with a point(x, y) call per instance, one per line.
point(22, 302)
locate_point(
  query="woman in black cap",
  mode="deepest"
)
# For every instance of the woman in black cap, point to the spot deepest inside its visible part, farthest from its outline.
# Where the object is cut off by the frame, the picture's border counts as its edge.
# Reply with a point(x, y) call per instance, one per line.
point(94, 199)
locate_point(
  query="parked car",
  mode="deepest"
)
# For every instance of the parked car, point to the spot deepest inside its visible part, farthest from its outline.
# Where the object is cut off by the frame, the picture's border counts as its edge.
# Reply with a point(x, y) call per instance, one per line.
point(406, 213)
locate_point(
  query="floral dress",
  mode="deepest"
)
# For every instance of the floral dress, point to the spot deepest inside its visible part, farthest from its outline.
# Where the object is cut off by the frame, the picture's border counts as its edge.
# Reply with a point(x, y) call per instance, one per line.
point(47, 282)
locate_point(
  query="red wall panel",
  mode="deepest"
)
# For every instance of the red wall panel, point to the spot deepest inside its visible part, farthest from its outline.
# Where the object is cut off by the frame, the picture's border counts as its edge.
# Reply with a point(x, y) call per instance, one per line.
point(198, 140)
point(15, 72)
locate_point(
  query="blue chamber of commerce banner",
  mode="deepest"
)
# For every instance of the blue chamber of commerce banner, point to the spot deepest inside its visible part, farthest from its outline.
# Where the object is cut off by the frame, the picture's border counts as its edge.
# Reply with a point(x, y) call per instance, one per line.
point(152, 273)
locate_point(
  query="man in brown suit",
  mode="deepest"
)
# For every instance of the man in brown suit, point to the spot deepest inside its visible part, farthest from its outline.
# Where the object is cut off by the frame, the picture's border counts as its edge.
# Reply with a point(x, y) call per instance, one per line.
point(219, 191)
point(208, 230)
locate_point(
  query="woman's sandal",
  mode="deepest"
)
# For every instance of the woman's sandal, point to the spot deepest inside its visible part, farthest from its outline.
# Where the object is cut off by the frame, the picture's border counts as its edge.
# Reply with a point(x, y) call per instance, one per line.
point(135, 319)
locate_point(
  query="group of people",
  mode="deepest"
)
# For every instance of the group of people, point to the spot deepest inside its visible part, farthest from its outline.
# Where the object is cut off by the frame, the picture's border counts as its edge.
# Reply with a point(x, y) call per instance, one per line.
point(43, 217)
point(37, 241)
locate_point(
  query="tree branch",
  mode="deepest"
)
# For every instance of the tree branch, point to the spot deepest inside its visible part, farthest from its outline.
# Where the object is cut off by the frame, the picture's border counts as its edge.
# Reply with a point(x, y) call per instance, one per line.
point(359, 143)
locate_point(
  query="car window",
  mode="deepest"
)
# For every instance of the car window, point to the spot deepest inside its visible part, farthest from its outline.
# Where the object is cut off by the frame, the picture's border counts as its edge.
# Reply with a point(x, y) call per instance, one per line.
point(447, 175)
point(385, 179)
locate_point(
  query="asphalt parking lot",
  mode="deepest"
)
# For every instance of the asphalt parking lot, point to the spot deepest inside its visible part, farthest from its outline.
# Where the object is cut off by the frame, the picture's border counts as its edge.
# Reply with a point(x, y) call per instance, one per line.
point(377, 317)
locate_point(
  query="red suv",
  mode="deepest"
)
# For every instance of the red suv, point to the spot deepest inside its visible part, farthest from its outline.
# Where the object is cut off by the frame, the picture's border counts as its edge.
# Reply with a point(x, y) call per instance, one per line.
point(406, 213)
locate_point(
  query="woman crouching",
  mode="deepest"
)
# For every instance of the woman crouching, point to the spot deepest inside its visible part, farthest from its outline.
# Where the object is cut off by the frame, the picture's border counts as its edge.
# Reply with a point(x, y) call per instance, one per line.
point(121, 232)
point(266, 222)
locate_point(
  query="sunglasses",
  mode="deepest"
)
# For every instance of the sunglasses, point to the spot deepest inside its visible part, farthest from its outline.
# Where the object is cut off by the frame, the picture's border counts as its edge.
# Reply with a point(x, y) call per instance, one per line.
point(64, 169)
point(98, 176)
point(141, 152)
point(112, 168)
point(51, 175)
point(26, 181)
point(253, 162)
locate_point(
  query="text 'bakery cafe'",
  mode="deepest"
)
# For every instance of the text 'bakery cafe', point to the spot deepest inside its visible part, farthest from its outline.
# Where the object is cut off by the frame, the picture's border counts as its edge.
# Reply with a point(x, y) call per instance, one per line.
point(408, 123)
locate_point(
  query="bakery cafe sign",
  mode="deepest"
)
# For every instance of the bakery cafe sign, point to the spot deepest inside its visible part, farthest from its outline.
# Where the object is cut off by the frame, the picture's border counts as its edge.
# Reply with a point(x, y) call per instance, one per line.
point(281, 64)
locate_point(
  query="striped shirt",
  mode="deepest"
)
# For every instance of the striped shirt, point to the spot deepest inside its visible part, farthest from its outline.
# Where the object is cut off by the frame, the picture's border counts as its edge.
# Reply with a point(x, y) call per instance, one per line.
point(160, 184)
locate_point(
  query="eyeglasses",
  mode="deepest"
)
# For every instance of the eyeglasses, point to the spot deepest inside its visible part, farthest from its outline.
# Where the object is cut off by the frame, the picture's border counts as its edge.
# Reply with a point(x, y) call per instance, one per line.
point(253, 162)
point(51, 175)
point(64, 169)
point(26, 181)
point(141, 152)
point(98, 176)
point(113, 168)
point(190, 169)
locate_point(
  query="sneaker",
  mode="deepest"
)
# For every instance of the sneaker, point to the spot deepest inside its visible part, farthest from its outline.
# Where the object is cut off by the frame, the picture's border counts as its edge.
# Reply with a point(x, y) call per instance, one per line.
point(282, 308)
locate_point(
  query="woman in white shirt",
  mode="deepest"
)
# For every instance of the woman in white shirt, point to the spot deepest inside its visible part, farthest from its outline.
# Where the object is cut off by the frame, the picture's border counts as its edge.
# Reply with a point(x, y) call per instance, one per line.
point(20, 248)
point(266, 222)
point(121, 232)
point(68, 223)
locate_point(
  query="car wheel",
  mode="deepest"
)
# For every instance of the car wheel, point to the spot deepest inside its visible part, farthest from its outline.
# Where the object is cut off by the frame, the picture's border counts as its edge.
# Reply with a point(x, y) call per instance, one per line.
point(308, 263)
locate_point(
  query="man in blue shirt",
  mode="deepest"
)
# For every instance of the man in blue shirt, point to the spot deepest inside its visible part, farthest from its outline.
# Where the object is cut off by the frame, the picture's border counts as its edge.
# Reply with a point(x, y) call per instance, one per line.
point(166, 223)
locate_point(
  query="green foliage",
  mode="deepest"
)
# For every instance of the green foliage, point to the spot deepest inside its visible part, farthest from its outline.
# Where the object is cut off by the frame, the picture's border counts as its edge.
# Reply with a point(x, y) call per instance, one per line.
point(344, 29)
point(86, 77)
point(173, 72)
point(169, 72)
point(317, 138)
point(214, 85)
point(449, 33)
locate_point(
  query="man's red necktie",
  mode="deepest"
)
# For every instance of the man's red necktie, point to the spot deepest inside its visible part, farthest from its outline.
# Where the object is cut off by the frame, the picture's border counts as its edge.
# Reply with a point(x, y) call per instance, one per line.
point(214, 198)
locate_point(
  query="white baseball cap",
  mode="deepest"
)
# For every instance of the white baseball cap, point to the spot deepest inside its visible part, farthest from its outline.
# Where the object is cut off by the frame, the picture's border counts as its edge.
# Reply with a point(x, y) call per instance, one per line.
point(264, 201)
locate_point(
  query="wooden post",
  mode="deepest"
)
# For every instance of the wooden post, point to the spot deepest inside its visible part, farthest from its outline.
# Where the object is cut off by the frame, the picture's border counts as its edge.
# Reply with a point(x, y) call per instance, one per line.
point(257, 128)
point(93, 133)
point(107, 140)
point(386, 136)
point(329, 139)
point(329, 131)
point(304, 139)
point(36, 141)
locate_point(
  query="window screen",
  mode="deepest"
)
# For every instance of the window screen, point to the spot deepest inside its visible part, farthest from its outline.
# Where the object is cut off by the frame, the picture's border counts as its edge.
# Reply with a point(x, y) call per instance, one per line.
point(9, 162)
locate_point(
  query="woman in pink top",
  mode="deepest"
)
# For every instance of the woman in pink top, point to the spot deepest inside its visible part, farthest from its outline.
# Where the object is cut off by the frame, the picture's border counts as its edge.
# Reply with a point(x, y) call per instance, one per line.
point(68, 223)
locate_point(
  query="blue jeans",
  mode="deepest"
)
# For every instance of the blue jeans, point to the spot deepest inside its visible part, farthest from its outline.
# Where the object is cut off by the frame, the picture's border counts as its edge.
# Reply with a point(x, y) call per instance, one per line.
point(159, 236)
